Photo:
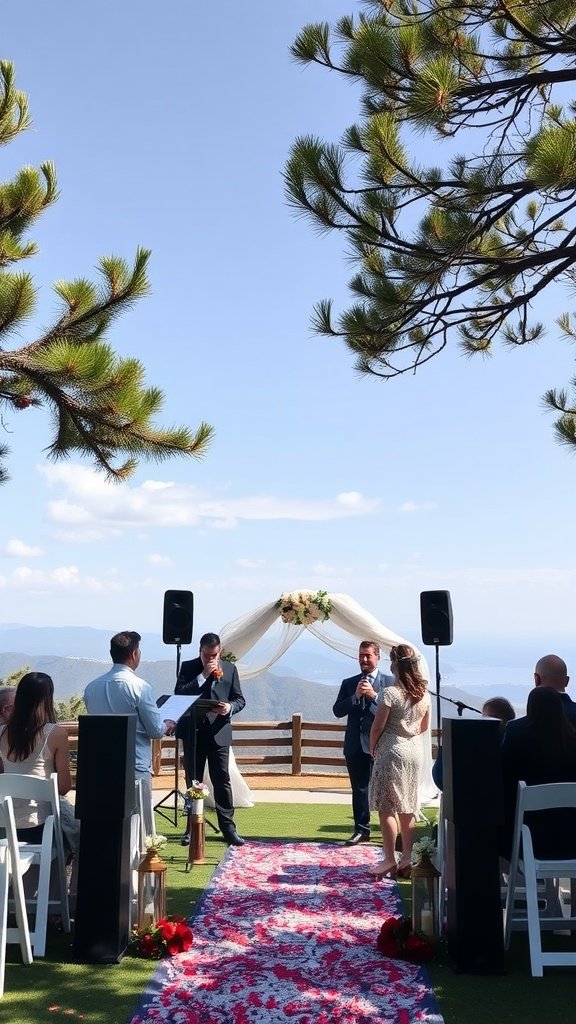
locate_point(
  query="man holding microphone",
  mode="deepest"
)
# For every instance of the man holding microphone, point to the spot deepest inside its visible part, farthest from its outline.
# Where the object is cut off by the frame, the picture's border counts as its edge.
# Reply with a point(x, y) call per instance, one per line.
point(357, 699)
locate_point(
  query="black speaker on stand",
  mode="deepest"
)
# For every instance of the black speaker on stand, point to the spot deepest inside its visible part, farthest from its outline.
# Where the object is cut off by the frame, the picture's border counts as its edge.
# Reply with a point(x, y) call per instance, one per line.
point(436, 620)
point(177, 623)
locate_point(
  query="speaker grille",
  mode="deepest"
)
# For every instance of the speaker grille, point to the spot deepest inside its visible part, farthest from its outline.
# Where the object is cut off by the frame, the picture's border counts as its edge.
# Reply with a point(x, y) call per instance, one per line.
point(178, 617)
point(436, 616)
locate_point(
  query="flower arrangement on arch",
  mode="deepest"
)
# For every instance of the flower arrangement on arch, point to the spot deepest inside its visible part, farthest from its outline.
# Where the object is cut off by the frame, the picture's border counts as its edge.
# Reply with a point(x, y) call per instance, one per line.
point(162, 938)
point(424, 848)
point(302, 607)
point(155, 843)
point(197, 791)
point(399, 941)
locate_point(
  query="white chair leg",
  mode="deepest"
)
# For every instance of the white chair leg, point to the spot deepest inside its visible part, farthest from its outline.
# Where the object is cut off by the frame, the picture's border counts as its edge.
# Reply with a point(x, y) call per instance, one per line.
point(510, 901)
point(3, 915)
point(532, 914)
point(59, 863)
point(43, 894)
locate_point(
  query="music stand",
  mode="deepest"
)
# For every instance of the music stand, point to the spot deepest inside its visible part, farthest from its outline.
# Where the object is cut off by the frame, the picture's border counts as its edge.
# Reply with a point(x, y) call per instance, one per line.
point(202, 704)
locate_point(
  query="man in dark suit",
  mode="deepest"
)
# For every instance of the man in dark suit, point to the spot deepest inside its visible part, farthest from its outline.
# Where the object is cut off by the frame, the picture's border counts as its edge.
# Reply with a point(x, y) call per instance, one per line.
point(523, 759)
point(357, 699)
point(207, 736)
point(549, 671)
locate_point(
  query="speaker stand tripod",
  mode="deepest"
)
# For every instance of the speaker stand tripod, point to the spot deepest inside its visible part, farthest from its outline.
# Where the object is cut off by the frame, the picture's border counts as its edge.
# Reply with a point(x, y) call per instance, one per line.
point(174, 794)
point(438, 719)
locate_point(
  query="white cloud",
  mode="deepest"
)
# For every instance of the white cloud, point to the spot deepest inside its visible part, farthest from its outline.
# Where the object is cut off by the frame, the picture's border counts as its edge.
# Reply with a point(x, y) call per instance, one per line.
point(18, 549)
point(87, 536)
point(62, 578)
point(330, 571)
point(412, 506)
point(89, 504)
point(159, 560)
point(350, 499)
point(250, 563)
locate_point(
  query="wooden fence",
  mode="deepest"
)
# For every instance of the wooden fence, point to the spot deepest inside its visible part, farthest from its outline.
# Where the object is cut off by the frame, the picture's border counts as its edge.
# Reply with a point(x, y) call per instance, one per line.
point(292, 745)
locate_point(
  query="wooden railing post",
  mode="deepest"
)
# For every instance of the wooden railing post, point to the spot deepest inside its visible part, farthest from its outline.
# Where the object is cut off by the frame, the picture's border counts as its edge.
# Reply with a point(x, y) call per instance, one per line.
point(297, 743)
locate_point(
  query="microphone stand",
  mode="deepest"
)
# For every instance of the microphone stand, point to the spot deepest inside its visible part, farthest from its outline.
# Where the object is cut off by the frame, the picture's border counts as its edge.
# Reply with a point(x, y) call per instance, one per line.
point(460, 705)
point(440, 696)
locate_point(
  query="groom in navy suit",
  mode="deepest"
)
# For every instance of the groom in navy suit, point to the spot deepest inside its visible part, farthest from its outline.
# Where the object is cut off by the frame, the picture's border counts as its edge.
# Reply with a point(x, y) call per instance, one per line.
point(357, 699)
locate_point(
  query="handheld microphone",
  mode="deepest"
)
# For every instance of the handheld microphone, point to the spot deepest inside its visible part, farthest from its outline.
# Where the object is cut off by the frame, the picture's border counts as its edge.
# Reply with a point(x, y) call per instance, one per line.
point(364, 700)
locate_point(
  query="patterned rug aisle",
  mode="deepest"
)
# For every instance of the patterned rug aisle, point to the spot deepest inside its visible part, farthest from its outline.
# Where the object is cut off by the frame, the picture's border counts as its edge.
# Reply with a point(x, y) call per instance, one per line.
point(286, 932)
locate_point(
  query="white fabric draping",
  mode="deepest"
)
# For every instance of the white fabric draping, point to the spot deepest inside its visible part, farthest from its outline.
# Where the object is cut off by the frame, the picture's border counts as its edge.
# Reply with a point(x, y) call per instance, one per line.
point(241, 792)
point(241, 635)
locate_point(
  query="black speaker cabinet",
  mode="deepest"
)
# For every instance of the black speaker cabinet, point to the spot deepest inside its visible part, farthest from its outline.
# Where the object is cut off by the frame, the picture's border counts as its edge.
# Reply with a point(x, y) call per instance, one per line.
point(178, 617)
point(102, 927)
point(473, 812)
point(436, 617)
point(105, 800)
point(105, 774)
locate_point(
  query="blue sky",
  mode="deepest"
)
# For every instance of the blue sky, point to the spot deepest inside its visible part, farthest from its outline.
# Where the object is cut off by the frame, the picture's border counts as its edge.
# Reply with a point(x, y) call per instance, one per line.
point(169, 126)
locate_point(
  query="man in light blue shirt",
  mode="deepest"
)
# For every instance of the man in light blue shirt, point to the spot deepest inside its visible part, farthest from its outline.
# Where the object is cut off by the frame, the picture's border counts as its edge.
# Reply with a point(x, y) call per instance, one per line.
point(120, 692)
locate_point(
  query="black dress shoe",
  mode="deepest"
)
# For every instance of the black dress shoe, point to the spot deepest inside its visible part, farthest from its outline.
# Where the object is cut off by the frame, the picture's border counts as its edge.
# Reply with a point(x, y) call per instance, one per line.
point(185, 841)
point(233, 839)
point(358, 837)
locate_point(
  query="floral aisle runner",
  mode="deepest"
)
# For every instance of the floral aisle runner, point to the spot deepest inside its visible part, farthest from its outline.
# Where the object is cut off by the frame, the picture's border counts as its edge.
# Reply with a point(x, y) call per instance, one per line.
point(286, 932)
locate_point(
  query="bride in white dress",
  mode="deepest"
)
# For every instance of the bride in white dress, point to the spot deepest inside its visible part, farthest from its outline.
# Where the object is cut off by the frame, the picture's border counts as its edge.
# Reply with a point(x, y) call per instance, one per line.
point(241, 795)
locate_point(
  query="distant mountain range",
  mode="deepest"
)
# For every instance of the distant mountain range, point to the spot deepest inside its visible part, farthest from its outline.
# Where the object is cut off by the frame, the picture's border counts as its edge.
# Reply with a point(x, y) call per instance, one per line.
point(304, 680)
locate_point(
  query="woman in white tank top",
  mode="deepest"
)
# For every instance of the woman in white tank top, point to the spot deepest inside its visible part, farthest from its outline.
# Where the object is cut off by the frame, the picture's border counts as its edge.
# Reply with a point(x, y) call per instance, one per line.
point(33, 744)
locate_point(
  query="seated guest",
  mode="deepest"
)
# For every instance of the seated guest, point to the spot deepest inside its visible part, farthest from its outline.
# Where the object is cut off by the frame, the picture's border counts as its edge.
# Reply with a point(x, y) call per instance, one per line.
point(7, 694)
point(540, 748)
point(551, 671)
point(499, 707)
point(33, 744)
point(496, 707)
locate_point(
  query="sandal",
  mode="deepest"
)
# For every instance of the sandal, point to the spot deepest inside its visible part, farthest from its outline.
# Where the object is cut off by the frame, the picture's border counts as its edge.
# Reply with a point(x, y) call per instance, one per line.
point(404, 871)
point(381, 871)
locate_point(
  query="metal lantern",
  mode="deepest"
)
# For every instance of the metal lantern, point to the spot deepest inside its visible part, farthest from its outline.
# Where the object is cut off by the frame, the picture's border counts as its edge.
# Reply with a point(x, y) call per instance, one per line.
point(425, 898)
point(151, 889)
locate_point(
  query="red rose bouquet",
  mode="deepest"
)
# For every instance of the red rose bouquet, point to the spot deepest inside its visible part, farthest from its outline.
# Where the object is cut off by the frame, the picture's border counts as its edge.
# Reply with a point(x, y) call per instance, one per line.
point(162, 938)
point(397, 940)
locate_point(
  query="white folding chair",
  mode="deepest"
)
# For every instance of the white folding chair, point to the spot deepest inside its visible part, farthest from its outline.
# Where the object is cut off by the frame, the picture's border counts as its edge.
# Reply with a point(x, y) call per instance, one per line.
point(11, 862)
point(526, 870)
point(141, 815)
point(47, 854)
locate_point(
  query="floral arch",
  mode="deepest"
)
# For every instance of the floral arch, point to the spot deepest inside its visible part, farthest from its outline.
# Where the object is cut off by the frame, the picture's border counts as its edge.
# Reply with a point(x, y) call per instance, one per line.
point(332, 618)
point(335, 619)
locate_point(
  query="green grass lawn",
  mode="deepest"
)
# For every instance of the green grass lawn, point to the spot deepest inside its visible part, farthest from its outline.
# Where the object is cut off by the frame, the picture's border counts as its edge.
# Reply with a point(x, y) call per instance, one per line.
point(56, 989)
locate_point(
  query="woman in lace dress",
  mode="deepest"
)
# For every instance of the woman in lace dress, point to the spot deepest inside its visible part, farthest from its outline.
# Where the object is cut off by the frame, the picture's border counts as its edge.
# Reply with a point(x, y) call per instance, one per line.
point(402, 715)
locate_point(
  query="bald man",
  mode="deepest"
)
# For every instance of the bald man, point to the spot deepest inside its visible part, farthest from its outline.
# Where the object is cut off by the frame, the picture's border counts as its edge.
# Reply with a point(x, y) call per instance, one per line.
point(551, 671)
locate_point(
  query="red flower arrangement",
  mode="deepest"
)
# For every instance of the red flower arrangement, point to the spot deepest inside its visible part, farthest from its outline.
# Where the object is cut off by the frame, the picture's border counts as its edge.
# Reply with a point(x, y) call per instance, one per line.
point(397, 940)
point(167, 937)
